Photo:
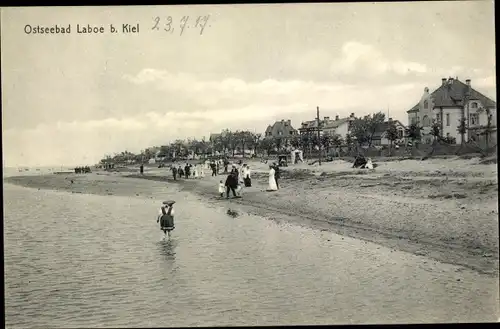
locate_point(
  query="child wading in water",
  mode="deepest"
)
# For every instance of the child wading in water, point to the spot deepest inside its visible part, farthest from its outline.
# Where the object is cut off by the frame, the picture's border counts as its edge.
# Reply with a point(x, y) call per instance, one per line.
point(166, 217)
point(222, 188)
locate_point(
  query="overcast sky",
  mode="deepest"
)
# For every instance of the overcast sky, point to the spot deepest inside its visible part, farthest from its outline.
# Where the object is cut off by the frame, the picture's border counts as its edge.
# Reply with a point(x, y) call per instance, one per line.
point(70, 99)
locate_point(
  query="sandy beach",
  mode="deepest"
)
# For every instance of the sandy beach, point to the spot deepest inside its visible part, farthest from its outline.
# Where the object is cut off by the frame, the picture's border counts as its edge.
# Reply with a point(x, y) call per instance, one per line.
point(444, 209)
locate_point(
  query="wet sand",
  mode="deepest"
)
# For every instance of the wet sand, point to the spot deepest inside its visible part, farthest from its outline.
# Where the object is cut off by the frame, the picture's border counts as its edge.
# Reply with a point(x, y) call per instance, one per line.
point(424, 208)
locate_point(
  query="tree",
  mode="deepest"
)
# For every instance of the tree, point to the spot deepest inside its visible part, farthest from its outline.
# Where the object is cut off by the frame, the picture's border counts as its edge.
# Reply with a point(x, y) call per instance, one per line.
point(305, 140)
point(488, 129)
point(326, 142)
point(204, 146)
point(462, 129)
point(414, 133)
point(295, 141)
point(349, 141)
point(243, 138)
point(255, 141)
point(267, 144)
point(391, 134)
point(232, 142)
point(364, 128)
point(436, 130)
point(227, 140)
point(336, 141)
point(278, 142)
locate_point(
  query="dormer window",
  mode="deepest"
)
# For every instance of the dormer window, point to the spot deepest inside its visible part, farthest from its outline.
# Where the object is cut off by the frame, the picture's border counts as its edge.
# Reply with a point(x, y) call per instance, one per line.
point(473, 105)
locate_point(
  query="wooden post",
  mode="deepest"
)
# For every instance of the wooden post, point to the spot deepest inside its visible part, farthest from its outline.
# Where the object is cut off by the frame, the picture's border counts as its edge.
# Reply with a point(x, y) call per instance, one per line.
point(319, 134)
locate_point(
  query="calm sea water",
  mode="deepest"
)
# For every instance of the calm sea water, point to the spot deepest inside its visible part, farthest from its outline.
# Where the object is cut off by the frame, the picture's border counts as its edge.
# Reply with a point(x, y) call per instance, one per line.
point(75, 260)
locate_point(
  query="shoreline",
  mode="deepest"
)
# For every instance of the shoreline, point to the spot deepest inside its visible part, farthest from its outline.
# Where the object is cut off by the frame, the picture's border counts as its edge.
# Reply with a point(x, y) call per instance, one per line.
point(459, 226)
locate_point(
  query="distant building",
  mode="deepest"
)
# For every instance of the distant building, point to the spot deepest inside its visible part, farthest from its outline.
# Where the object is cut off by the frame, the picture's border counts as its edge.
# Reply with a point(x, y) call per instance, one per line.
point(340, 126)
point(281, 129)
point(447, 105)
point(380, 135)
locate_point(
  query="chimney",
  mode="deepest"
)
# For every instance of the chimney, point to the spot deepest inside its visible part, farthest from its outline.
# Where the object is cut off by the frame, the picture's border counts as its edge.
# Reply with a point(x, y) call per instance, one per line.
point(467, 82)
point(443, 80)
point(390, 119)
point(326, 118)
point(352, 115)
point(336, 117)
point(289, 122)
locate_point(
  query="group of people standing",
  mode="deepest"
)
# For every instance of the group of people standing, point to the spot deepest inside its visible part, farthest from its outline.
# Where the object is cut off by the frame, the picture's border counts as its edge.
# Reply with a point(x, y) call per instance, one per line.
point(197, 171)
point(82, 170)
point(237, 178)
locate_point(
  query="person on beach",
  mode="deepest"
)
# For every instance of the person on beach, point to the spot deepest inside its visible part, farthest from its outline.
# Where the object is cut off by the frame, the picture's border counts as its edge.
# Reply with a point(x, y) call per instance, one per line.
point(214, 169)
point(187, 171)
point(272, 181)
point(196, 172)
point(241, 174)
point(180, 172)
point(222, 188)
point(166, 217)
point(277, 175)
point(226, 163)
point(141, 169)
point(231, 185)
point(217, 167)
point(247, 179)
point(174, 172)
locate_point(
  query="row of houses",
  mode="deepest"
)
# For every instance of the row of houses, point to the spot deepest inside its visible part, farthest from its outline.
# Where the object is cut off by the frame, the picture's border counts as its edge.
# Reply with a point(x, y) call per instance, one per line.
point(446, 105)
point(340, 126)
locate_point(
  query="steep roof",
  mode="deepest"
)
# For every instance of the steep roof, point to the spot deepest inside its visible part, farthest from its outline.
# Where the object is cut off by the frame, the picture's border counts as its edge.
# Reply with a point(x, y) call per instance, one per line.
point(453, 93)
point(283, 126)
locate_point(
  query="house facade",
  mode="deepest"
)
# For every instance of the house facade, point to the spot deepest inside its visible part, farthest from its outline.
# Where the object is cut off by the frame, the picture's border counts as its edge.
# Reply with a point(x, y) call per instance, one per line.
point(340, 126)
point(447, 105)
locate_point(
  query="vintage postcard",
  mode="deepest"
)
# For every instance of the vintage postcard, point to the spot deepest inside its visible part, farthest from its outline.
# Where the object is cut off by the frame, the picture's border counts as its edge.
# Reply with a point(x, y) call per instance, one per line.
point(241, 165)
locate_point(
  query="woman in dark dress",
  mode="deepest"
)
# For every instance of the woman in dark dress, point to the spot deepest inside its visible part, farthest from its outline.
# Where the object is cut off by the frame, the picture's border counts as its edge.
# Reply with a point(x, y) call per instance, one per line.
point(166, 217)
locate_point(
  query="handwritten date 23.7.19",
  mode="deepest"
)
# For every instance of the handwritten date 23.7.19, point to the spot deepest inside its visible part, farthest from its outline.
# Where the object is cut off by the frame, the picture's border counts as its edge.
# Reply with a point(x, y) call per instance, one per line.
point(169, 24)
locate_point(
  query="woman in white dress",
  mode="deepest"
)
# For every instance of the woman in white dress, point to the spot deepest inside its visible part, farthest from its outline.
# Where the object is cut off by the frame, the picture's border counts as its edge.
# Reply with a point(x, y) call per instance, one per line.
point(272, 180)
point(202, 170)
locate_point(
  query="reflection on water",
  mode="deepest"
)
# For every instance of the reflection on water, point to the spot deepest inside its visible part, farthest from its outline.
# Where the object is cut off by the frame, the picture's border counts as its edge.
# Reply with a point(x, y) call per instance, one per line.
point(167, 247)
point(75, 260)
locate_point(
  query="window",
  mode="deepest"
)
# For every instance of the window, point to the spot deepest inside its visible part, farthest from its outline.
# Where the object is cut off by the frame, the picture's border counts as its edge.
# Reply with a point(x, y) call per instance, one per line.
point(474, 119)
point(426, 105)
point(400, 133)
point(473, 105)
point(438, 117)
point(447, 119)
point(426, 121)
point(280, 133)
point(413, 120)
